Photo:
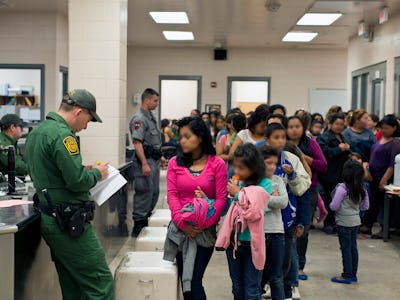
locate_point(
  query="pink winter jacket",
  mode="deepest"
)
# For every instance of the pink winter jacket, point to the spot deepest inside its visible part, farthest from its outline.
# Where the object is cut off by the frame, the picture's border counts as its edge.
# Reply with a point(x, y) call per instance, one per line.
point(249, 212)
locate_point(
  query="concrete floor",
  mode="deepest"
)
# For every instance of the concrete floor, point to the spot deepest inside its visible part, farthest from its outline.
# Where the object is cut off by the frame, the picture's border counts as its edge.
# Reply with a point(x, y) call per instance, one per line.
point(379, 270)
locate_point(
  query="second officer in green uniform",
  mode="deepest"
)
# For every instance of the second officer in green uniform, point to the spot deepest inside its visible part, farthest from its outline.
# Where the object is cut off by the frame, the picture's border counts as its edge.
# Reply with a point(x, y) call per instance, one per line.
point(62, 184)
point(11, 131)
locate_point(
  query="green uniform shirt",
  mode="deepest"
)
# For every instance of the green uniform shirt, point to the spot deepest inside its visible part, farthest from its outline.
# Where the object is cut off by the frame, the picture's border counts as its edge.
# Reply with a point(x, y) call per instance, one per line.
point(55, 162)
point(21, 168)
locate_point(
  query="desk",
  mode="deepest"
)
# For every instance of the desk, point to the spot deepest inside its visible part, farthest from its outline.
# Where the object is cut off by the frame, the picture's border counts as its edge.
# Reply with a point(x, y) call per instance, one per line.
point(386, 212)
point(12, 220)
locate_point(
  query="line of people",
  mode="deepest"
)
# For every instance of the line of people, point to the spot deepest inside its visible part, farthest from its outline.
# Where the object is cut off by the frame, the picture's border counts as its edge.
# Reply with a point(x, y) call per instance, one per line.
point(268, 174)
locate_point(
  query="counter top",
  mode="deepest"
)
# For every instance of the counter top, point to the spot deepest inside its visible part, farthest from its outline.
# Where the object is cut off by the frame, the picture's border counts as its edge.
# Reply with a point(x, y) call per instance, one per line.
point(14, 218)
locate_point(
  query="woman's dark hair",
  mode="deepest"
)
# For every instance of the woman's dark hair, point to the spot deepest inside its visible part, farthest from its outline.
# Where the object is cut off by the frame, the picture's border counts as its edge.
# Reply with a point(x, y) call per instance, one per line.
point(256, 118)
point(374, 118)
point(274, 127)
point(304, 143)
point(267, 152)
point(239, 122)
point(356, 155)
point(334, 117)
point(215, 113)
point(164, 123)
point(278, 116)
point(204, 113)
point(199, 128)
point(314, 115)
point(353, 176)
point(274, 107)
point(293, 148)
point(316, 122)
point(252, 159)
point(263, 109)
point(391, 121)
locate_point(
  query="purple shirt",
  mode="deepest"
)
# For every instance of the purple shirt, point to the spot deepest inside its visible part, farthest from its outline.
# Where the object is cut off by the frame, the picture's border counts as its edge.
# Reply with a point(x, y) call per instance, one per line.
point(319, 164)
point(382, 157)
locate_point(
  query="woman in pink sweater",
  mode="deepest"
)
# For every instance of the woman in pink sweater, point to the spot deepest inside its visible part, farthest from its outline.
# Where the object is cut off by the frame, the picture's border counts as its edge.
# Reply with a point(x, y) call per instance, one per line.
point(196, 170)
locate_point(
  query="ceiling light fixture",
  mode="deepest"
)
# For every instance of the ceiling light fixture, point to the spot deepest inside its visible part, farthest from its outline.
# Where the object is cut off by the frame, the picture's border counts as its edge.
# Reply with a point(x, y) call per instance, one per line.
point(299, 36)
point(178, 35)
point(165, 17)
point(318, 19)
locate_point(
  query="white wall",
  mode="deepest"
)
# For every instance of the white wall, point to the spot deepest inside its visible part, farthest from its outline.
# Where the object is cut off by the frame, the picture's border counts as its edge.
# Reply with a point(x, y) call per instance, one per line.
point(31, 38)
point(385, 47)
point(292, 72)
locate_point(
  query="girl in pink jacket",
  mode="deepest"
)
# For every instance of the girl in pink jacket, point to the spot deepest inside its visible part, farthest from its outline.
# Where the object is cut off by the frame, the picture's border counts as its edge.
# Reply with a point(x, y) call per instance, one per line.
point(244, 269)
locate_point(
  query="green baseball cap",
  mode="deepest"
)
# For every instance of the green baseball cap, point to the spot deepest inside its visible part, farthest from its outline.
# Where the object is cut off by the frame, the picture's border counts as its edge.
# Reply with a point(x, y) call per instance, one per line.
point(12, 119)
point(83, 99)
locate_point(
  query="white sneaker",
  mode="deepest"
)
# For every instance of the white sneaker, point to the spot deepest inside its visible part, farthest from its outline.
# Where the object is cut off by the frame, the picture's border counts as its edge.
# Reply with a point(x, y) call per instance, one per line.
point(288, 298)
point(295, 293)
point(267, 294)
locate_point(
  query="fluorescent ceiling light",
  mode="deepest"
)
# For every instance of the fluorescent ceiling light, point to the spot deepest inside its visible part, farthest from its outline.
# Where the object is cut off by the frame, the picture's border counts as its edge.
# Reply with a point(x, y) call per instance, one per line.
point(318, 19)
point(178, 35)
point(169, 17)
point(297, 36)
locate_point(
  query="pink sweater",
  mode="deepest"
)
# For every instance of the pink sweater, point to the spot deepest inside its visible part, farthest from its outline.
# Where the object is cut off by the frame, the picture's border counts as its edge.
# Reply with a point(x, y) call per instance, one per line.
point(249, 211)
point(181, 186)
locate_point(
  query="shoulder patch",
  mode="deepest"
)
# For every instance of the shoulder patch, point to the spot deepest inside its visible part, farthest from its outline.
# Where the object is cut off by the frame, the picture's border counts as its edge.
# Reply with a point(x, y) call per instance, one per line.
point(71, 145)
point(137, 125)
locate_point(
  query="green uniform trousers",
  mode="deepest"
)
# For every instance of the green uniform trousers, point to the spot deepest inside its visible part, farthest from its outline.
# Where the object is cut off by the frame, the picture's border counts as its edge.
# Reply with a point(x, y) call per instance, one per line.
point(80, 262)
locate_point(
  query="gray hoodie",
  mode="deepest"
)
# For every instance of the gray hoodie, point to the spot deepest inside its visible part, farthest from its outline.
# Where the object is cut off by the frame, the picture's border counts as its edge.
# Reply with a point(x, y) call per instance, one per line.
point(273, 218)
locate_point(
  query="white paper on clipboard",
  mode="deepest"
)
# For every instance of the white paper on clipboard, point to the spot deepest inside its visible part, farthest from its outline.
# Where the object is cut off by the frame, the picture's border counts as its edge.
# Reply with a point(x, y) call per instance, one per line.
point(104, 189)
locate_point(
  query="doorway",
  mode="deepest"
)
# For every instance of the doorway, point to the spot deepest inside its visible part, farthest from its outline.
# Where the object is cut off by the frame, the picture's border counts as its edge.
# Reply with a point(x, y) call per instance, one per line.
point(63, 81)
point(248, 92)
point(397, 85)
point(368, 89)
point(178, 96)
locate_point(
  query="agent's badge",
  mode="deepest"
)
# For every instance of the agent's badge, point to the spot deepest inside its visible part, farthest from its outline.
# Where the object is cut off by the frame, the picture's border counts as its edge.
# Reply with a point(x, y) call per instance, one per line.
point(138, 125)
point(71, 145)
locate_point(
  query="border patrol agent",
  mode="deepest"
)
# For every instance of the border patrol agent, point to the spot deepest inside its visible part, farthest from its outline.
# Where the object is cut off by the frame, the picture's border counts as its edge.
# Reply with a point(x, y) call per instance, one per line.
point(11, 131)
point(146, 136)
point(62, 184)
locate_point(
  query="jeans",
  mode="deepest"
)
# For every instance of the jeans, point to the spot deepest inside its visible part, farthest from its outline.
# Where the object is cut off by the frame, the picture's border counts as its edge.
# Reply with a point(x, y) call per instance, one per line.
point(294, 267)
point(302, 242)
point(203, 257)
point(273, 273)
point(287, 261)
point(246, 279)
point(348, 247)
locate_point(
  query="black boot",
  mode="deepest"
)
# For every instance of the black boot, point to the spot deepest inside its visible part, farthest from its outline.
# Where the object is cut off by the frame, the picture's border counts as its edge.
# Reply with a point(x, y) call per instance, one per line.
point(138, 228)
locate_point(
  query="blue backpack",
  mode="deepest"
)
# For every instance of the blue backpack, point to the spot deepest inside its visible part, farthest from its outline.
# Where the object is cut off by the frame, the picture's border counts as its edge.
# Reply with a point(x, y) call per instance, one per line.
point(289, 212)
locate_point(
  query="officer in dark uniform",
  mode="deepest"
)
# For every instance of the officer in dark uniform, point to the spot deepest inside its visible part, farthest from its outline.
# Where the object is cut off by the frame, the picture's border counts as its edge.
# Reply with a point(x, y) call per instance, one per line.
point(62, 184)
point(146, 136)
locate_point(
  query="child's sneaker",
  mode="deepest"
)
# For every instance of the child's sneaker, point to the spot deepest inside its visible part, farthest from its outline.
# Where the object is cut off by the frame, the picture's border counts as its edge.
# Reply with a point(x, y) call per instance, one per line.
point(340, 279)
point(267, 294)
point(295, 293)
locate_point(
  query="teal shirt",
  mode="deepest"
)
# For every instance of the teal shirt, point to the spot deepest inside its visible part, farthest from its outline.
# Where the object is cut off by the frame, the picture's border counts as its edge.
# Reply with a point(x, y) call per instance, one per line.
point(266, 184)
point(21, 169)
point(55, 162)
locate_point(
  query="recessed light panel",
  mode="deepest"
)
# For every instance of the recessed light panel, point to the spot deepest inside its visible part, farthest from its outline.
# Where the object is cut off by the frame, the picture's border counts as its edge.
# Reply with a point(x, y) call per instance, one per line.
point(296, 36)
point(318, 19)
point(169, 17)
point(178, 35)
